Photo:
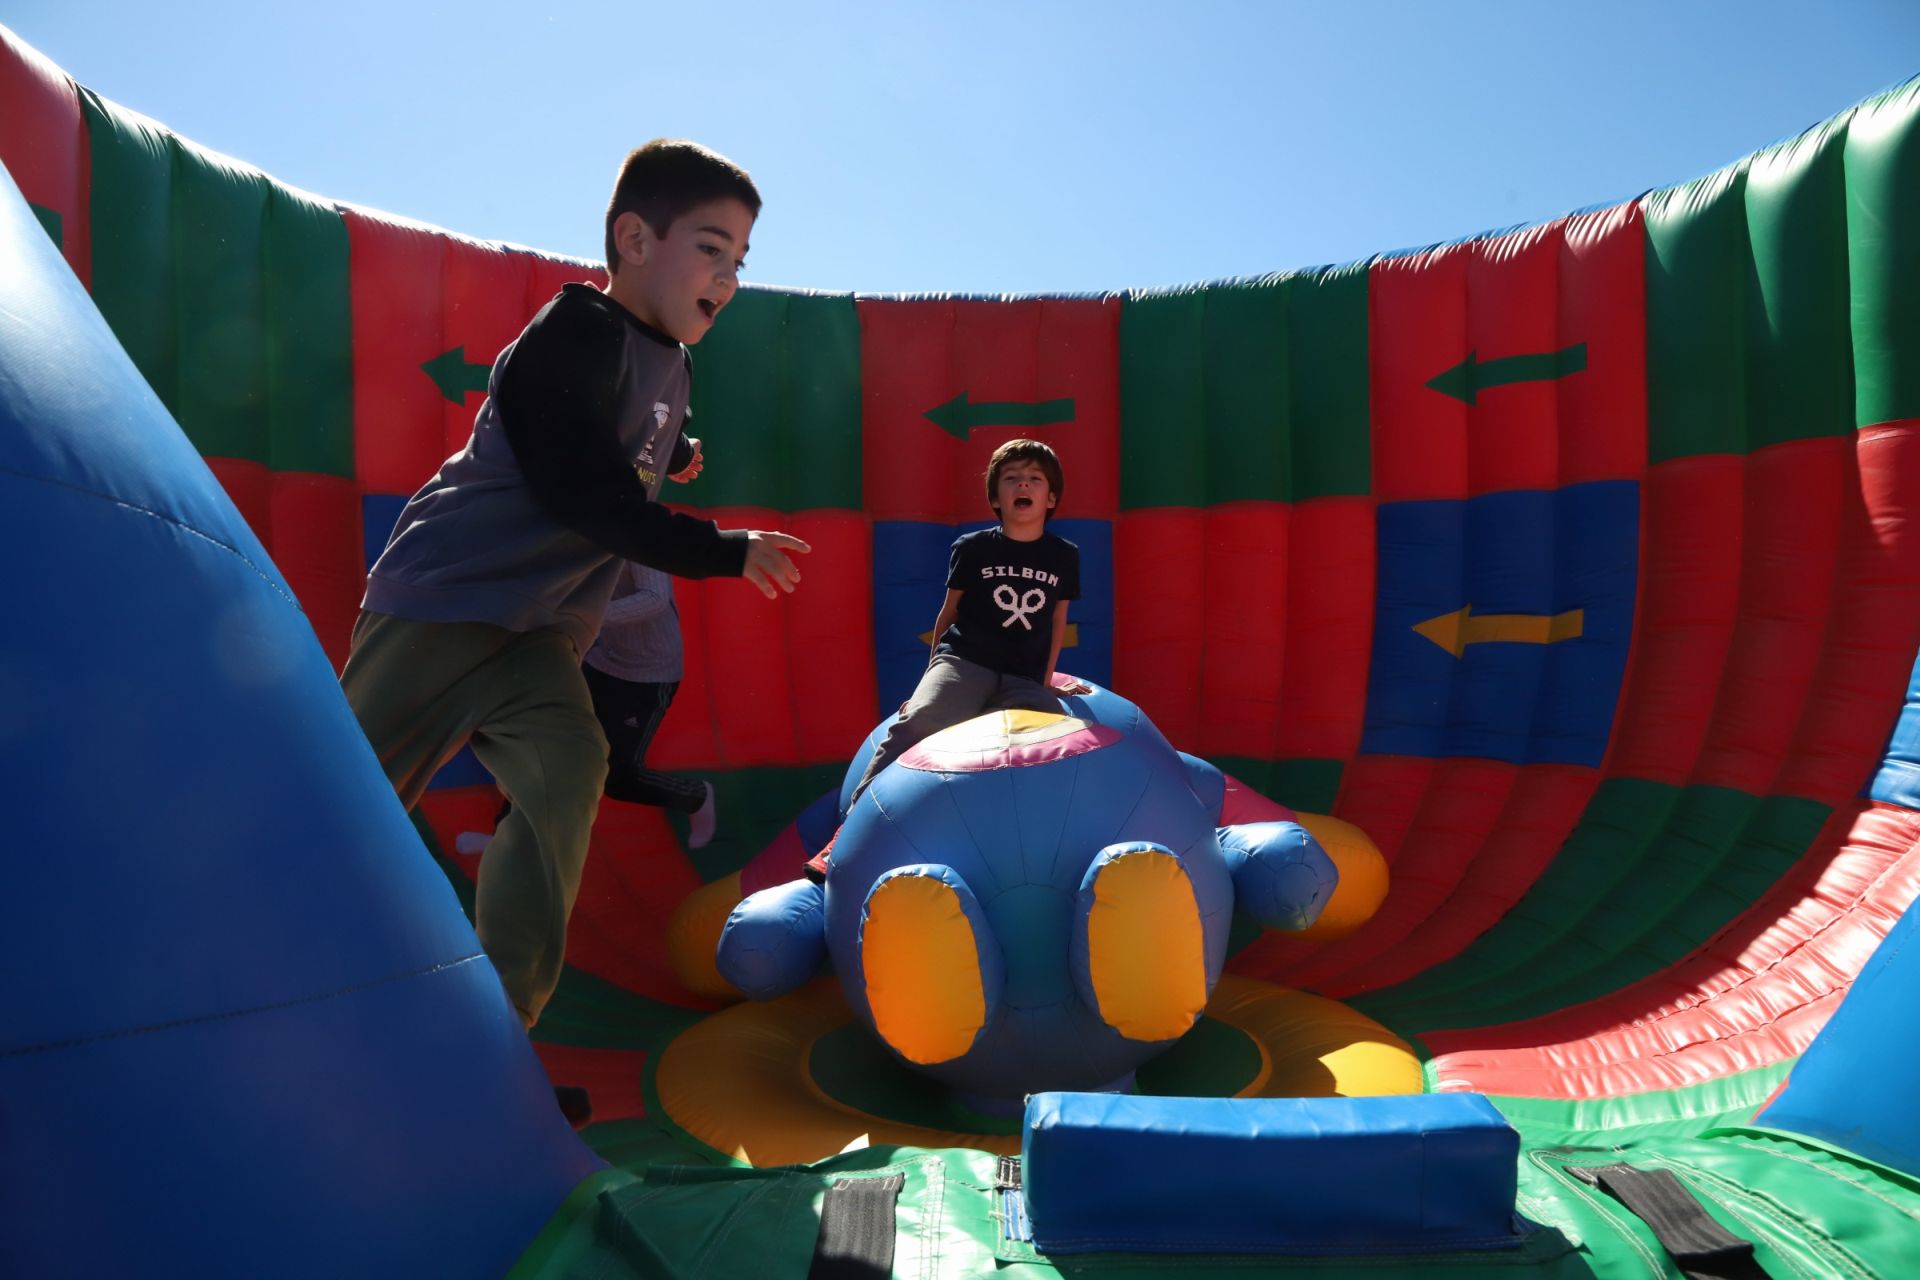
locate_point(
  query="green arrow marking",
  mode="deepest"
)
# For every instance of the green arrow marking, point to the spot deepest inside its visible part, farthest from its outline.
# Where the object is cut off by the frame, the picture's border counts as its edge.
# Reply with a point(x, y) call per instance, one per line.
point(1466, 380)
point(959, 415)
point(455, 376)
point(55, 225)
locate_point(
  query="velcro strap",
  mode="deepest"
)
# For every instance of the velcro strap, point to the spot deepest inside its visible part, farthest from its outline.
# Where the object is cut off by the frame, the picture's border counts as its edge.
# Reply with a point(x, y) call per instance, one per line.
point(856, 1229)
point(1700, 1246)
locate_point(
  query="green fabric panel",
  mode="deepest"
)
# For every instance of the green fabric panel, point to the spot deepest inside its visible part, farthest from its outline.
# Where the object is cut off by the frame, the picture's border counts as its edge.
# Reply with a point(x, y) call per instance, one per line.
point(219, 216)
point(1883, 249)
point(134, 271)
point(1243, 369)
point(591, 1012)
point(1162, 408)
point(1331, 409)
point(755, 805)
point(1680, 1113)
point(1697, 267)
point(776, 403)
point(309, 312)
point(1718, 853)
point(1308, 785)
point(229, 292)
point(1270, 377)
point(1619, 826)
point(1800, 376)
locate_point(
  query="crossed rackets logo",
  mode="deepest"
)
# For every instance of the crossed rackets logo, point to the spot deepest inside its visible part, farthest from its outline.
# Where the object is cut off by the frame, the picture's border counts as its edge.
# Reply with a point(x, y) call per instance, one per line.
point(1018, 606)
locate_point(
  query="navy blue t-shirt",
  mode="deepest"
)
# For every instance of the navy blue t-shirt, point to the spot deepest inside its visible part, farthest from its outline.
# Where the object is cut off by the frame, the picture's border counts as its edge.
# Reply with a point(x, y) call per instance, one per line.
point(1007, 593)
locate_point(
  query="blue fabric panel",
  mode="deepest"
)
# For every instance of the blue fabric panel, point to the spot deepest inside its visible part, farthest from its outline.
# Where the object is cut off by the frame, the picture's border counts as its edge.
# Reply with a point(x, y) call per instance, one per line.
point(1898, 779)
point(1530, 552)
point(1422, 1173)
point(910, 581)
point(379, 512)
point(239, 996)
point(1853, 1087)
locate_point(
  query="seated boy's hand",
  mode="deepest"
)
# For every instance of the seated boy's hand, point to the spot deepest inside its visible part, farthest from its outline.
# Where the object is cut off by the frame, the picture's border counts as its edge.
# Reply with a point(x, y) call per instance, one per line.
point(693, 468)
point(768, 566)
point(1067, 684)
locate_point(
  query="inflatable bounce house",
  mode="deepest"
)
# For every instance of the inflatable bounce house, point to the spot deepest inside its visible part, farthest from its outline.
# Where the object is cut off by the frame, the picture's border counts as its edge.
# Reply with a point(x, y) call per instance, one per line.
point(1486, 849)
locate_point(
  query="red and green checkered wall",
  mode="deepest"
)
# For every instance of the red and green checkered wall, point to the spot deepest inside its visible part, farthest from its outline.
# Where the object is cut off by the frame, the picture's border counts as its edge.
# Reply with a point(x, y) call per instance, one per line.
point(1578, 565)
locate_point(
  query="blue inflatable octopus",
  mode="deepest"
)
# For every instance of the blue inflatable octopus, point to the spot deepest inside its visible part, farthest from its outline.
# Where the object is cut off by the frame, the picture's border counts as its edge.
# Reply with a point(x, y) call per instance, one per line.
point(1029, 901)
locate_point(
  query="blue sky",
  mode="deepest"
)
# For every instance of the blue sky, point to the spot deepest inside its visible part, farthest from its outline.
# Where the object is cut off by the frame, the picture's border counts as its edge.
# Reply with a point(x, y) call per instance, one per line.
point(986, 147)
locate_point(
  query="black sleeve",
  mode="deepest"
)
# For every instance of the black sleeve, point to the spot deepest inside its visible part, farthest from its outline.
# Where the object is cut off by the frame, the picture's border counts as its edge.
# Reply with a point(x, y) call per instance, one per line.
point(957, 565)
point(682, 452)
point(558, 403)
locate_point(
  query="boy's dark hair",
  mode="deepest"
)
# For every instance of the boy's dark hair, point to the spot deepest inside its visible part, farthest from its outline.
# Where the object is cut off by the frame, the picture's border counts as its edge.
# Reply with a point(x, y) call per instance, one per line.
point(1034, 451)
point(668, 176)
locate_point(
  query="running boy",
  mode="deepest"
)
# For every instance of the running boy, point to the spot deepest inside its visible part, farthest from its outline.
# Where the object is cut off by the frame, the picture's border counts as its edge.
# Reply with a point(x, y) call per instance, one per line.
point(494, 581)
point(997, 639)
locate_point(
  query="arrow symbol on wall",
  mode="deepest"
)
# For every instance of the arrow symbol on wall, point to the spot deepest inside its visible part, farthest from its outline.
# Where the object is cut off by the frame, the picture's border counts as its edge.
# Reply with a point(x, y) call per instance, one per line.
point(1455, 631)
point(1466, 380)
point(455, 375)
point(960, 415)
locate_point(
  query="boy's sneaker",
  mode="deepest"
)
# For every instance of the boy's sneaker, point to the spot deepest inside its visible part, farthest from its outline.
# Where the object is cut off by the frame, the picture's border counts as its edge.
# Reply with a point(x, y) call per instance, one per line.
point(700, 826)
point(575, 1105)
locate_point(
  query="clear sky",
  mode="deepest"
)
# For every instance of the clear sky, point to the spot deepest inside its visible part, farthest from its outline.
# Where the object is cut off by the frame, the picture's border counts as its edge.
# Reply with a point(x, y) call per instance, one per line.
point(978, 146)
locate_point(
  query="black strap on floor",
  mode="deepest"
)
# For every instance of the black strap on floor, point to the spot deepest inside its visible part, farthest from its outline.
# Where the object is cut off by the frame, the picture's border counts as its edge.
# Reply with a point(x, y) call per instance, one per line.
point(1701, 1247)
point(856, 1229)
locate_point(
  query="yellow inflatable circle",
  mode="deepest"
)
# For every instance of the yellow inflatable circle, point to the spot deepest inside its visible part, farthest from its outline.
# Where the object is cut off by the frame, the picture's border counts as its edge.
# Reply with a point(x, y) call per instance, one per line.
point(737, 1081)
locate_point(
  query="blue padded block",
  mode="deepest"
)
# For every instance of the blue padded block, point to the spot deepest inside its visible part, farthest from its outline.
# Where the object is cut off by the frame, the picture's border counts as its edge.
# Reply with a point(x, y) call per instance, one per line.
point(1111, 1172)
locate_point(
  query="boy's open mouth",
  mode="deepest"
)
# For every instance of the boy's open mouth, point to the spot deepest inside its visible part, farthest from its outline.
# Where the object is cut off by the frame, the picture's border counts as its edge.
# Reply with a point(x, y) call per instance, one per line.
point(1023, 501)
point(709, 308)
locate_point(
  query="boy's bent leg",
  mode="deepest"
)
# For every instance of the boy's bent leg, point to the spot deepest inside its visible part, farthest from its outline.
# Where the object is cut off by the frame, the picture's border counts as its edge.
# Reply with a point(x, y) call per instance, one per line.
point(412, 686)
point(542, 744)
point(630, 712)
point(951, 690)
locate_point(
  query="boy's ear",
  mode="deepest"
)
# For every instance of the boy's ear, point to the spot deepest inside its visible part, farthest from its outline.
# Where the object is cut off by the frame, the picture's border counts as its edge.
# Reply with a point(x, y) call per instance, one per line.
point(633, 238)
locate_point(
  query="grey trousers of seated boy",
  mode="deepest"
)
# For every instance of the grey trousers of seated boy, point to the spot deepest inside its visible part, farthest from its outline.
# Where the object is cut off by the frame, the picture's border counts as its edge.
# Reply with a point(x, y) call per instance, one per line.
point(953, 690)
point(423, 689)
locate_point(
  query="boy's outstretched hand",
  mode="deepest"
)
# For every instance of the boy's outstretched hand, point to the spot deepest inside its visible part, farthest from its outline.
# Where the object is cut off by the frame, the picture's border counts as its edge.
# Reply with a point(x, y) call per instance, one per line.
point(768, 566)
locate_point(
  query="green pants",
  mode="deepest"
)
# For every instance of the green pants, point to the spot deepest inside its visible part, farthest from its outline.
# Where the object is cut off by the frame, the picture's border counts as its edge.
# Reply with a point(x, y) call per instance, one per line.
point(421, 690)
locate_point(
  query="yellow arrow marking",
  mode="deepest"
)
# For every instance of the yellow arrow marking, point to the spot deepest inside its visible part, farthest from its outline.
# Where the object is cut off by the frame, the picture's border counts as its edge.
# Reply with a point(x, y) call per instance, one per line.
point(1455, 631)
point(1071, 639)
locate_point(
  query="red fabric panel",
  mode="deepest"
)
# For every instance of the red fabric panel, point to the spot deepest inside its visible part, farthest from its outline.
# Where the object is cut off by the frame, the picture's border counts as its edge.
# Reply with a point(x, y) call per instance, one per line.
point(316, 541)
point(1874, 623)
point(777, 682)
point(1794, 496)
point(1381, 795)
point(1323, 693)
point(1532, 293)
point(1157, 602)
point(1691, 513)
point(1602, 413)
point(44, 145)
point(1540, 812)
point(1459, 809)
point(419, 293)
point(250, 485)
point(1243, 628)
point(917, 356)
point(1756, 994)
point(398, 428)
point(1243, 804)
point(611, 1077)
